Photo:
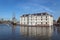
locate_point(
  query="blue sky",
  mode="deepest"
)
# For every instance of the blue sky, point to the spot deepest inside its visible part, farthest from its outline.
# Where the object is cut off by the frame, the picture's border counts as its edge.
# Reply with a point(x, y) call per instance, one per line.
point(20, 7)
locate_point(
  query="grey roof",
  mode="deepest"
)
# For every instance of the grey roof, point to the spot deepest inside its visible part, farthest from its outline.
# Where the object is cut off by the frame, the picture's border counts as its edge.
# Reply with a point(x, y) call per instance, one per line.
point(37, 14)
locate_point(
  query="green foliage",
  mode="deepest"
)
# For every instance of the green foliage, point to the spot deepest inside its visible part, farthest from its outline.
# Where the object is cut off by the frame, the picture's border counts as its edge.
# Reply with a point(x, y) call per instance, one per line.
point(58, 21)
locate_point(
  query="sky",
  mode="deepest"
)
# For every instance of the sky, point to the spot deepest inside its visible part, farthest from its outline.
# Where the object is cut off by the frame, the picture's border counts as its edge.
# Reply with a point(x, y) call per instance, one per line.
point(20, 7)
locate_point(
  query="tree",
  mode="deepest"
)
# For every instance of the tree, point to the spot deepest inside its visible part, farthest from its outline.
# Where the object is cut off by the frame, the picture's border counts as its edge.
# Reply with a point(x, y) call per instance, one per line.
point(58, 21)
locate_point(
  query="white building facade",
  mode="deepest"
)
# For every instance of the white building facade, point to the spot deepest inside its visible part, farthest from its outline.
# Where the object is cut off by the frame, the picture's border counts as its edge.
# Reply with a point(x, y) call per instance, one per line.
point(40, 19)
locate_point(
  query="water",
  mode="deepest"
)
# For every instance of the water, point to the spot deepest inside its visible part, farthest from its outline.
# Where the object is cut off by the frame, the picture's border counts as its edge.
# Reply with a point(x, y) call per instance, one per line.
point(10, 32)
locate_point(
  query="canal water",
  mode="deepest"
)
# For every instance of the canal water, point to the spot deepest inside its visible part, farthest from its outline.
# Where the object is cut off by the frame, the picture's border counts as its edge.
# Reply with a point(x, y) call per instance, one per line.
point(12, 32)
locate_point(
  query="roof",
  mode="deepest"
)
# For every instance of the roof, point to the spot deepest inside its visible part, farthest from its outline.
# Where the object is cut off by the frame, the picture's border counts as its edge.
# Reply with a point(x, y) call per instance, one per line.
point(37, 14)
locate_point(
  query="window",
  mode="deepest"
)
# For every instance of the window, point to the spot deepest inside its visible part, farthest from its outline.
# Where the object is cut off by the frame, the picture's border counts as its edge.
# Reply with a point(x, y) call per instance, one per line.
point(31, 19)
point(36, 22)
point(31, 22)
point(31, 16)
point(41, 16)
point(36, 19)
point(41, 19)
point(41, 22)
point(46, 16)
point(46, 22)
point(46, 19)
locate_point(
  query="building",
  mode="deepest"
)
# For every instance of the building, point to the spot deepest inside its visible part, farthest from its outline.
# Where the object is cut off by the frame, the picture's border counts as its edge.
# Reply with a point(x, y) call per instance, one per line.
point(37, 19)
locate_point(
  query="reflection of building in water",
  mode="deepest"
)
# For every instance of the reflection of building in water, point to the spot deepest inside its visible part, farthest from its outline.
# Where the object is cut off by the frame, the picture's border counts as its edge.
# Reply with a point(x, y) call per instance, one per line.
point(36, 31)
point(58, 30)
point(40, 19)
